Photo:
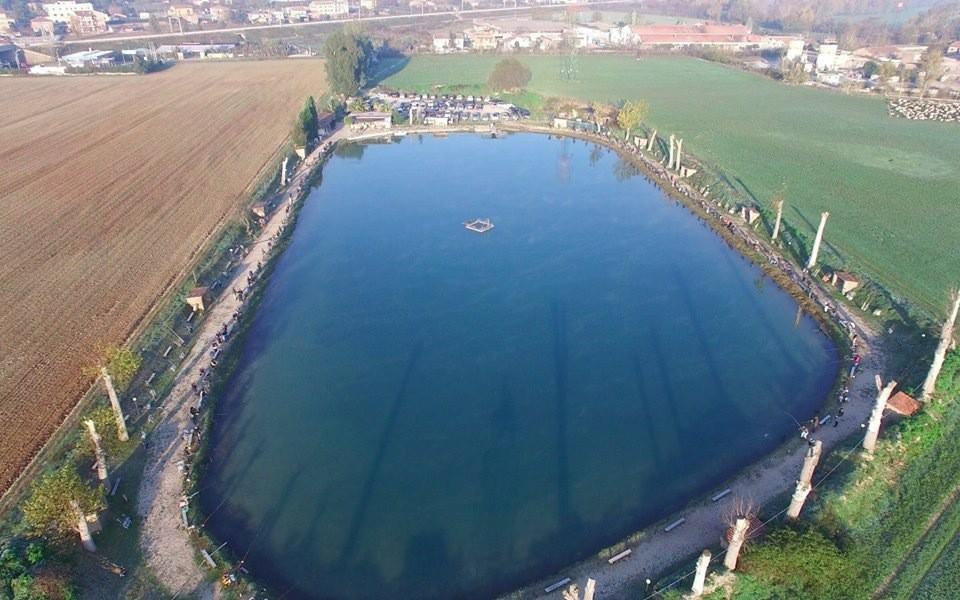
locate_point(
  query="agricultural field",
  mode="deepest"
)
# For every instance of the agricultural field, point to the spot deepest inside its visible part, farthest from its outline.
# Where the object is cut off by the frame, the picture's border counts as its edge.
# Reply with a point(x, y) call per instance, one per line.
point(891, 185)
point(109, 186)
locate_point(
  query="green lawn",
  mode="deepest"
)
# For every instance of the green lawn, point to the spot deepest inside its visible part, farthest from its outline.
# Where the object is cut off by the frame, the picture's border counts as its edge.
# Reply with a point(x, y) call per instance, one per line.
point(892, 186)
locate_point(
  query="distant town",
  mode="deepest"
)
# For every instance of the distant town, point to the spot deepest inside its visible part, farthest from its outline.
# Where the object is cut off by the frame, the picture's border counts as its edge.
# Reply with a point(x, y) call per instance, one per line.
point(27, 36)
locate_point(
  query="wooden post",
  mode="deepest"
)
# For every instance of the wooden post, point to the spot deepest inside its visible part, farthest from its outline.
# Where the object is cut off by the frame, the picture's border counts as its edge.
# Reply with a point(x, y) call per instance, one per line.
point(85, 538)
point(115, 403)
point(670, 162)
point(873, 427)
point(804, 484)
point(652, 140)
point(97, 450)
point(736, 542)
point(590, 590)
point(946, 339)
point(776, 224)
point(679, 148)
point(698, 580)
point(816, 242)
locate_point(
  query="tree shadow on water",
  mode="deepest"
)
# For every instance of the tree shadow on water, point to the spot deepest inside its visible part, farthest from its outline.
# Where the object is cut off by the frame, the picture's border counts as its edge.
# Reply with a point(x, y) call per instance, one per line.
point(363, 503)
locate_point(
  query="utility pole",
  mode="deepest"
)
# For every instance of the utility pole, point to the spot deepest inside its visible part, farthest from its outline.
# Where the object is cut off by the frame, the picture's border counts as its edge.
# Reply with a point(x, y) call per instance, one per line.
point(115, 403)
point(873, 427)
point(776, 224)
point(816, 242)
point(736, 542)
point(946, 339)
point(698, 580)
point(804, 485)
point(97, 450)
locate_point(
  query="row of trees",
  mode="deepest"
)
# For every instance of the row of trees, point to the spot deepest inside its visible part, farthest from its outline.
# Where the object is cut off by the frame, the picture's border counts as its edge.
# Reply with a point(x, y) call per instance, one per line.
point(307, 125)
point(60, 500)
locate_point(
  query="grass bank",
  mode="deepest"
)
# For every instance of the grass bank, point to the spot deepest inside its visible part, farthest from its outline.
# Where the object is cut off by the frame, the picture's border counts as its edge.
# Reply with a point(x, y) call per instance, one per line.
point(888, 183)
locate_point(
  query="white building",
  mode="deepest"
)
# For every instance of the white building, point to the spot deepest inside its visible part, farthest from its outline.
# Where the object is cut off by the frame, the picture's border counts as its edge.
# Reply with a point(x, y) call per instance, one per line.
point(794, 50)
point(448, 43)
point(63, 10)
point(369, 5)
point(827, 57)
point(320, 9)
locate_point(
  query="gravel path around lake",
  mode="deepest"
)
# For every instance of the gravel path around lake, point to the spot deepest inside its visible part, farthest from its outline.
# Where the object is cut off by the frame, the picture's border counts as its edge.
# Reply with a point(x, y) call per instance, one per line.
point(165, 539)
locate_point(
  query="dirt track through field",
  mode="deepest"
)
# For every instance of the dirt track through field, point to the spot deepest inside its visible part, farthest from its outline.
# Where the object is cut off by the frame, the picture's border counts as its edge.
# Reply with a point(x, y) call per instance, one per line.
point(108, 187)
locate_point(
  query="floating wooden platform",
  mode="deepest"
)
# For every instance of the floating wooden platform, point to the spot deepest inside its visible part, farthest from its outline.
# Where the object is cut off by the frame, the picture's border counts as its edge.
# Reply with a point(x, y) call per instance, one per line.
point(479, 225)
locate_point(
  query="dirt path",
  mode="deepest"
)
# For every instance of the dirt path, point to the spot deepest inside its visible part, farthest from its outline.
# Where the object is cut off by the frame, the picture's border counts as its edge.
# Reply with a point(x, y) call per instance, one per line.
point(164, 538)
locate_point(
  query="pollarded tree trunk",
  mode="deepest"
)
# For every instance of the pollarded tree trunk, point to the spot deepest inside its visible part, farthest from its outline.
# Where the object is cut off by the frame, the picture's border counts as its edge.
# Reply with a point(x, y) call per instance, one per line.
point(736, 542)
point(701, 574)
point(115, 403)
point(97, 450)
point(776, 224)
point(876, 416)
point(652, 140)
point(946, 340)
point(83, 528)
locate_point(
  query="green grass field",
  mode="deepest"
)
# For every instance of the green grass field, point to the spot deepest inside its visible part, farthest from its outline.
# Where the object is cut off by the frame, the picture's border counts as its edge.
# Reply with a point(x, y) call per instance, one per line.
point(892, 186)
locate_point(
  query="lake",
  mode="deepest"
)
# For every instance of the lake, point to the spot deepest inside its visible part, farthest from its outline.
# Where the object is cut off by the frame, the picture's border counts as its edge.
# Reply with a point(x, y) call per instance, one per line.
point(421, 411)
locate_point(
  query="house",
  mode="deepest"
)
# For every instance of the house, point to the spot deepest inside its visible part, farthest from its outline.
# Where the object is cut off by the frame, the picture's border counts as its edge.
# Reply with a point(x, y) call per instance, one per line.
point(328, 9)
point(735, 37)
point(220, 13)
point(325, 122)
point(903, 404)
point(749, 214)
point(827, 56)
point(844, 281)
point(372, 120)
point(794, 50)
point(86, 22)
point(6, 22)
point(436, 121)
point(197, 298)
point(63, 10)
point(587, 36)
point(184, 12)
point(448, 43)
point(259, 210)
point(369, 5)
point(484, 37)
point(43, 26)
point(954, 49)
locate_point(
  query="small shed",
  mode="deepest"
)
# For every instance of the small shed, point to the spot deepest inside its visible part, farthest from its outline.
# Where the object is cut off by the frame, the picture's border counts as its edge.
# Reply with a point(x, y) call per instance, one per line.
point(845, 282)
point(259, 210)
point(749, 214)
point(902, 404)
point(197, 298)
point(325, 122)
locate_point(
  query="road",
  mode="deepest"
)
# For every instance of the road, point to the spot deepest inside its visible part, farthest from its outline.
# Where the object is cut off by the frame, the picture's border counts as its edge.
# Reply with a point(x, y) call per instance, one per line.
point(477, 12)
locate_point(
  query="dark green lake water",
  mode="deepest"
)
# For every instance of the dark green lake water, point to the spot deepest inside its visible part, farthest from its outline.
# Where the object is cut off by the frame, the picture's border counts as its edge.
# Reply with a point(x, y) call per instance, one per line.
point(422, 411)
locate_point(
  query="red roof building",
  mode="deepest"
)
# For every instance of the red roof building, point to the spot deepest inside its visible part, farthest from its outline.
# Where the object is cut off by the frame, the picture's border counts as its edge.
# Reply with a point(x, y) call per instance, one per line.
point(903, 404)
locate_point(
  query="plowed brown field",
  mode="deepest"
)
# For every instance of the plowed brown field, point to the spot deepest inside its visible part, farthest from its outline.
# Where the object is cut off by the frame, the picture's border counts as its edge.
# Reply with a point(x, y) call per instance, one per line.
point(108, 187)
